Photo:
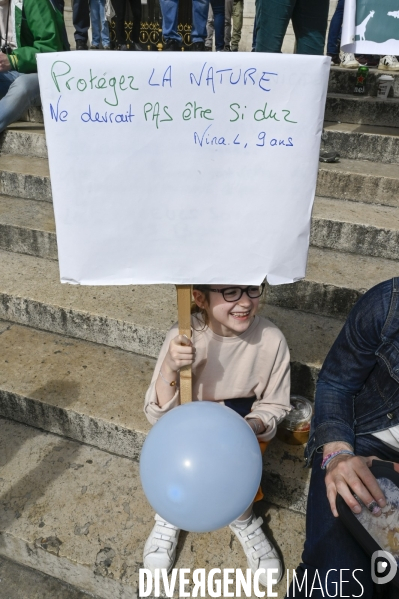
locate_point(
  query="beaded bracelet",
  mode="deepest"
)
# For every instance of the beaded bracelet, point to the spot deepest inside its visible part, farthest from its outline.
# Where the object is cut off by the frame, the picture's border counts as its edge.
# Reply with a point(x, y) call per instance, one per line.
point(331, 456)
point(171, 384)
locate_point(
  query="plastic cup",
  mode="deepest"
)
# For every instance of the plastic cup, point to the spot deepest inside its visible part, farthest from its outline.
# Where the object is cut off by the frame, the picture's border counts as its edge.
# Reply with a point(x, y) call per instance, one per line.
point(385, 82)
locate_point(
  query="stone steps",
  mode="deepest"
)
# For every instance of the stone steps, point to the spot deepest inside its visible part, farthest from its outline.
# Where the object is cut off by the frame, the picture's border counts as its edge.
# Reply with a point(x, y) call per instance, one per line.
point(362, 110)
point(76, 361)
point(331, 288)
point(79, 514)
point(25, 139)
point(362, 142)
point(334, 282)
point(354, 227)
point(135, 318)
point(25, 177)
point(27, 226)
point(34, 114)
point(342, 81)
point(94, 394)
point(20, 582)
point(359, 181)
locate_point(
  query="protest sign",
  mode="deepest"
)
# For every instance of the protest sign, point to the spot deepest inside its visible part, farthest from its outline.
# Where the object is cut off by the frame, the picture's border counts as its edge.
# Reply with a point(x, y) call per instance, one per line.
point(175, 168)
point(371, 27)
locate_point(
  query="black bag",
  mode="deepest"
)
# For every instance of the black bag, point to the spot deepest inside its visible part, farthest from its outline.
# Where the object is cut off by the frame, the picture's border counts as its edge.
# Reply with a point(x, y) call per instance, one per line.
point(380, 470)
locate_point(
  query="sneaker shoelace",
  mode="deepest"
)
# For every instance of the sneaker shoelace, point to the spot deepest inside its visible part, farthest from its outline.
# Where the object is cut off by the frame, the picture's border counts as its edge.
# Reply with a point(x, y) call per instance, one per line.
point(261, 547)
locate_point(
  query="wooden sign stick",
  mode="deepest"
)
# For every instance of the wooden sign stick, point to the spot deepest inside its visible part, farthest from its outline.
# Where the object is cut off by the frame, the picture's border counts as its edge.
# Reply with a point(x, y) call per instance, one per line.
point(183, 310)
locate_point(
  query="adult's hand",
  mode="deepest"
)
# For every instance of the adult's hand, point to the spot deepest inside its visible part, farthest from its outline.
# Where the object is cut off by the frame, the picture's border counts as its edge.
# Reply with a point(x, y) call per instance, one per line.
point(347, 473)
point(4, 63)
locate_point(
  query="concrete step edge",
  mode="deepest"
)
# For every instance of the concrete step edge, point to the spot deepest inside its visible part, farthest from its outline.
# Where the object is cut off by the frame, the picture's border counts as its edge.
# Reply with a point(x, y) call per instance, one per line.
point(25, 224)
point(84, 519)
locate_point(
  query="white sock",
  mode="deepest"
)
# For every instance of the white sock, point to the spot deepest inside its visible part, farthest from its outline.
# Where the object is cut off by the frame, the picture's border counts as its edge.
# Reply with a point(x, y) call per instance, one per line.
point(243, 523)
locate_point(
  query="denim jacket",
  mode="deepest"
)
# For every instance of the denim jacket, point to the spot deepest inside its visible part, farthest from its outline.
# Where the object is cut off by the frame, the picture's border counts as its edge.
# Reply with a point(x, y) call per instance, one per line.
point(357, 391)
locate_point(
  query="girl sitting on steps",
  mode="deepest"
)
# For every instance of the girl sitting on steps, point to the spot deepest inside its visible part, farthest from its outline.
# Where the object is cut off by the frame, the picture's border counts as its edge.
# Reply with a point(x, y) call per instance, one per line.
point(242, 361)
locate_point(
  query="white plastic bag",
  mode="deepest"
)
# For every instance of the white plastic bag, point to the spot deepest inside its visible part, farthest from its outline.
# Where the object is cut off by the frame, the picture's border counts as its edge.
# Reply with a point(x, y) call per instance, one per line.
point(109, 10)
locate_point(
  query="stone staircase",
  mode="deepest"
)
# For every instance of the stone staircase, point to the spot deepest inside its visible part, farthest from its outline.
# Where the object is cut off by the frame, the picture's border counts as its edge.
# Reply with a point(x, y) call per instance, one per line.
point(76, 361)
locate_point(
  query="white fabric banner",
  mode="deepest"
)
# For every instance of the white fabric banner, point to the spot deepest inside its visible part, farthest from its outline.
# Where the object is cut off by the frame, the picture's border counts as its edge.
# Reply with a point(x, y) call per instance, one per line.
point(371, 27)
point(175, 168)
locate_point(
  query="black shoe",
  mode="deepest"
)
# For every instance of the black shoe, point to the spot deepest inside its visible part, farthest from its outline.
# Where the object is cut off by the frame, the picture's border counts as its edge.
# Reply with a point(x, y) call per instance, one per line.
point(136, 46)
point(335, 59)
point(227, 48)
point(81, 45)
point(94, 47)
point(208, 48)
point(367, 60)
point(123, 47)
point(329, 157)
point(198, 47)
point(172, 46)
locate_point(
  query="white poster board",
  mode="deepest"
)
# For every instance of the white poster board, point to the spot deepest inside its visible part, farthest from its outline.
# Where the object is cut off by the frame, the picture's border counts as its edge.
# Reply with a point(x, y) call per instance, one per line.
point(182, 168)
point(371, 27)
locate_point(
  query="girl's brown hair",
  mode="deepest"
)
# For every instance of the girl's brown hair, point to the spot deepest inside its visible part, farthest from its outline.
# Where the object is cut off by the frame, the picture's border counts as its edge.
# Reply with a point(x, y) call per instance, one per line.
point(196, 309)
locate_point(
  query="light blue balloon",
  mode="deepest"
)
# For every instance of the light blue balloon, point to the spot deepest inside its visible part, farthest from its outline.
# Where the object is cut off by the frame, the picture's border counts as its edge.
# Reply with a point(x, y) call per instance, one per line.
point(201, 466)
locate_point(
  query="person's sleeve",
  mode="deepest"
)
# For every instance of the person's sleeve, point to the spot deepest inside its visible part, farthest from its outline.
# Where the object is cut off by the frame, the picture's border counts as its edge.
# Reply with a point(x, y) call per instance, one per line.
point(152, 409)
point(274, 403)
point(41, 19)
point(347, 367)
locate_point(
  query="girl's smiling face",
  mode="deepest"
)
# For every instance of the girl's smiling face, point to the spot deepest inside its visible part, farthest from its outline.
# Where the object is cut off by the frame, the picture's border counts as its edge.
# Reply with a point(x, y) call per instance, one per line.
point(227, 319)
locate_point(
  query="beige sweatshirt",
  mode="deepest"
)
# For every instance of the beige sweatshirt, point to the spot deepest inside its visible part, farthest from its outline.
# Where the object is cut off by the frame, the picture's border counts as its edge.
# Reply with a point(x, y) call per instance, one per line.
point(256, 363)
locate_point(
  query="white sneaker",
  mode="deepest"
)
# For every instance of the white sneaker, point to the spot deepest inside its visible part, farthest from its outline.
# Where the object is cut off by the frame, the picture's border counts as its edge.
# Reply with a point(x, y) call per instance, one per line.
point(388, 63)
point(348, 61)
point(257, 547)
point(160, 547)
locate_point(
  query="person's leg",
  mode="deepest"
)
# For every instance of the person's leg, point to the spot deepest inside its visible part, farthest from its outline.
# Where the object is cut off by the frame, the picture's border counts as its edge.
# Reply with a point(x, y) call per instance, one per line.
point(254, 36)
point(95, 22)
point(309, 20)
point(210, 28)
point(19, 93)
point(135, 5)
point(218, 17)
point(334, 34)
point(81, 19)
point(272, 18)
point(238, 11)
point(329, 545)
point(200, 15)
point(106, 42)
point(120, 11)
point(228, 15)
point(170, 10)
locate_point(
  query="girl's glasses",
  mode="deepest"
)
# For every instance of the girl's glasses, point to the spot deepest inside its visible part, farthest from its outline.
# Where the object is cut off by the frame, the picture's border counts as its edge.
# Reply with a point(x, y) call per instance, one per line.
point(233, 294)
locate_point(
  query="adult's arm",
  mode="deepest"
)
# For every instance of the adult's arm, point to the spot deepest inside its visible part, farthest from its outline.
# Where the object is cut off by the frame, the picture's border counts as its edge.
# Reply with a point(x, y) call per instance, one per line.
point(42, 27)
point(347, 367)
point(345, 371)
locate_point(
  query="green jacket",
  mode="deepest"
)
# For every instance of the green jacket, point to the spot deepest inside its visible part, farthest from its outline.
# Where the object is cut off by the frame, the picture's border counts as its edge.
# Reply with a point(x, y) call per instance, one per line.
point(39, 27)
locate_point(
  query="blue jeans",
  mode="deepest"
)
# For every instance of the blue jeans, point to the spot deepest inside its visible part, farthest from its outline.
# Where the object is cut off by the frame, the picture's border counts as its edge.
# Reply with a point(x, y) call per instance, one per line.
point(99, 24)
point(334, 34)
point(328, 543)
point(17, 92)
point(170, 10)
point(309, 20)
